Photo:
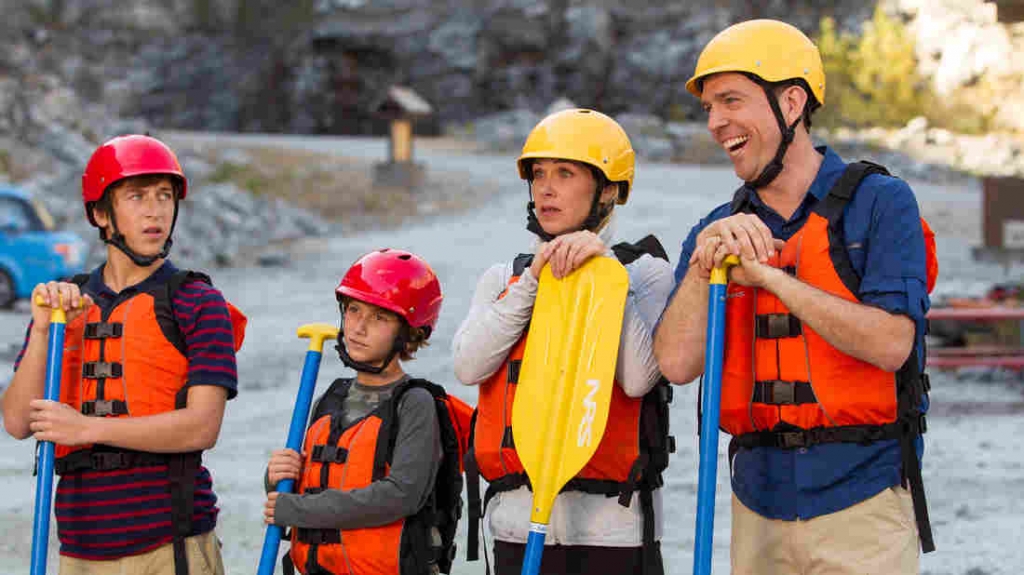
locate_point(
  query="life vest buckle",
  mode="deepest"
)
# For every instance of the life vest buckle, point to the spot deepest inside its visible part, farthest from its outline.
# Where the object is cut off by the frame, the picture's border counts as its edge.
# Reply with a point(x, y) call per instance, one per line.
point(329, 454)
point(109, 460)
point(104, 407)
point(780, 392)
point(777, 325)
point(101, 370)
point(791, 439)
point(100, 330)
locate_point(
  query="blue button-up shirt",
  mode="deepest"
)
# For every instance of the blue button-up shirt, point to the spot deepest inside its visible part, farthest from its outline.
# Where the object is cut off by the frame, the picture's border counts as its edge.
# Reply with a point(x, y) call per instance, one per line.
point(886, 246)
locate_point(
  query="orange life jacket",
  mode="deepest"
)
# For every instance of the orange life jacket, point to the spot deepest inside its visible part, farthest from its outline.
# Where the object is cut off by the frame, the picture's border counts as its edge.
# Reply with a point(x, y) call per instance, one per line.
point(128, 362)
point(354, 457)
point(776, 369)
point(132, 362)
point(784, 386)
point(631, 455)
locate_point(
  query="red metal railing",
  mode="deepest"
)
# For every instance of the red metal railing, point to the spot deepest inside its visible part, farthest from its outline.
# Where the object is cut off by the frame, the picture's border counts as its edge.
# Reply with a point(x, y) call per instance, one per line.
point(987, 355)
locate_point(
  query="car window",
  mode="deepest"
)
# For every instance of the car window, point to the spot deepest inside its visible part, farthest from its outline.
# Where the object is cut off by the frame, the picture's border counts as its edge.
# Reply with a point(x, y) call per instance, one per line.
point(17, 216)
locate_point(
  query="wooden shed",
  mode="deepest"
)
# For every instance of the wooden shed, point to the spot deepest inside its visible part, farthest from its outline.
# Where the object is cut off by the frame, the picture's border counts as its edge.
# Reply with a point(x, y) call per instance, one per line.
point(1009, 11)
point(402, 107)
point(1002, 219)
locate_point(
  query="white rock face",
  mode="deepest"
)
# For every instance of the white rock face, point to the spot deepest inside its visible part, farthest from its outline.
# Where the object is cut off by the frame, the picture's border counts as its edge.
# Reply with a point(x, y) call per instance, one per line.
point(968, 54)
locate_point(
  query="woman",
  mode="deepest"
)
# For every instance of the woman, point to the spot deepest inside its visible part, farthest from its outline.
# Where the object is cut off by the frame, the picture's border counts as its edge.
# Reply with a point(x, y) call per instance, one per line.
point(579, 165)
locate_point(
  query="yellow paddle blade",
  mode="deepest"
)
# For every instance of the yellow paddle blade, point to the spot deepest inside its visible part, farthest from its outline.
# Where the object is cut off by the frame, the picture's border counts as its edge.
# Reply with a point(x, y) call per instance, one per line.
point(566, 379)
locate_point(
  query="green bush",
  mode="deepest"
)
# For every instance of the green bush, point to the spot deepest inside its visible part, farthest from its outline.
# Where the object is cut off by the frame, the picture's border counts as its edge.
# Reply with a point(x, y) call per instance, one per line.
point(871, 79)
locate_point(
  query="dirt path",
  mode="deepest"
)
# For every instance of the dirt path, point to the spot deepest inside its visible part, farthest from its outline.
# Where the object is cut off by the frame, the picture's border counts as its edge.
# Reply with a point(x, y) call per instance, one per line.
point(973, 469)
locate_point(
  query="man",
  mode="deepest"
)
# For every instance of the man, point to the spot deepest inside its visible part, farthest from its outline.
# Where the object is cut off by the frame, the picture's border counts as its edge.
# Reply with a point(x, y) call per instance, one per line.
point(821, 389)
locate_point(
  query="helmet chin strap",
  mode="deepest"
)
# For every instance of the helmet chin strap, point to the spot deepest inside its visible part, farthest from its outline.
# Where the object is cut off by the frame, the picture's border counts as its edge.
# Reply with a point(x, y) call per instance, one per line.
point(117, 240)
point(774, 168)
point(598, 214)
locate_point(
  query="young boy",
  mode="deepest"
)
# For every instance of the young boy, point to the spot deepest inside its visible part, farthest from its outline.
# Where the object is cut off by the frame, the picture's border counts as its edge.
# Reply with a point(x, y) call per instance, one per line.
point(378, 484)
point(149, 362)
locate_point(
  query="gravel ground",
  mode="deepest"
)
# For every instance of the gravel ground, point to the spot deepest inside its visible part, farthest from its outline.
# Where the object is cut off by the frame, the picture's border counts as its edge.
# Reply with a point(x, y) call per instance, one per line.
point(973, 472)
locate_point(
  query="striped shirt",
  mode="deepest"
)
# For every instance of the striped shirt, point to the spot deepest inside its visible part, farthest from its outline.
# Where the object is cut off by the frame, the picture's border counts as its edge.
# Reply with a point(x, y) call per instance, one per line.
point(105, 515)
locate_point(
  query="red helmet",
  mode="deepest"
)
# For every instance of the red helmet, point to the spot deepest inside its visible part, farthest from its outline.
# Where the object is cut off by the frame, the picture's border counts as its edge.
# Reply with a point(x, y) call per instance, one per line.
point(396, 280)
point(123, 157)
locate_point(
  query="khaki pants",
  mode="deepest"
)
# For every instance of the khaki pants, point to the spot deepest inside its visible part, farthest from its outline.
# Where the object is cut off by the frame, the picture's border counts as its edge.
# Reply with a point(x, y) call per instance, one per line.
point(875, 536)
point(203, 553)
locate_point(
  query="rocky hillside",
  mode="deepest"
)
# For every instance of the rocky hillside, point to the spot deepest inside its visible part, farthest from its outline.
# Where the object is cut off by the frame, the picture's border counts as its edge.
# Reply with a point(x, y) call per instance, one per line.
point(320, 65)
point(75, 72)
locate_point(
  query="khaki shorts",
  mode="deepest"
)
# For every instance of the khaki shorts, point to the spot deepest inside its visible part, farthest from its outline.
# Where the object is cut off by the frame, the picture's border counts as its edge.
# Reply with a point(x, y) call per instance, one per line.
point(876, 536)
point(203, 553)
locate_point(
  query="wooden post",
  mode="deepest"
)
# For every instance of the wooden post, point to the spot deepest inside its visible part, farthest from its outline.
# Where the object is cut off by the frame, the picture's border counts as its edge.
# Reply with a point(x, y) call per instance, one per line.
point(401, 140)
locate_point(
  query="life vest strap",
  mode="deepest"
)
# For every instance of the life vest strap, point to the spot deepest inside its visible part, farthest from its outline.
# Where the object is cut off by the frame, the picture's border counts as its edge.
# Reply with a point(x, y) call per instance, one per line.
point(779, 392)
point(512, 373)
point(106, 460)
point(318, 536)
point(863, 434)
point(104, 407)
point(777, 325)
point(329, 454)
point(102, 330)
point(508, 439)
point(101, 370)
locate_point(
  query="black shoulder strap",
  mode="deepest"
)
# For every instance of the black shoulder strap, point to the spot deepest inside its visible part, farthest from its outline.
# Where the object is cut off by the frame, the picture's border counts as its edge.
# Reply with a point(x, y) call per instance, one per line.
point(520, 264)
point(332, 399)
point(833, 206)
point(625, 252)
point(444, 507)
point(79, 279)
point(628, 253)
point(435, 390)
point(165, 311)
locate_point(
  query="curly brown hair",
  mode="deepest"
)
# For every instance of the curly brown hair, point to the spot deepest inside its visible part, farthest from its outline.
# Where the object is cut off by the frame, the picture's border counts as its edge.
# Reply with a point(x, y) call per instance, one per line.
point(414, 338)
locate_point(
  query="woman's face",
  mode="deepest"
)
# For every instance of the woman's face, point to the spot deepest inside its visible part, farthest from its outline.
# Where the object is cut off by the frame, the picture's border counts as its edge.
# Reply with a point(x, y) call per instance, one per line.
point(563, 191)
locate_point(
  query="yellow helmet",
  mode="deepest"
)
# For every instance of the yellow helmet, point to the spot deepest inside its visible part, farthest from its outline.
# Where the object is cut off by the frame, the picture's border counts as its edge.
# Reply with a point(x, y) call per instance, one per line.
point(585, 136)
point(772, 50)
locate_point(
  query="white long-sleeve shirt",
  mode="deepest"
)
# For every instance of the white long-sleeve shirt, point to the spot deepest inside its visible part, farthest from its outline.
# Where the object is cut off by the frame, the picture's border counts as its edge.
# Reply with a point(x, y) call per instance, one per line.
point(482, 344)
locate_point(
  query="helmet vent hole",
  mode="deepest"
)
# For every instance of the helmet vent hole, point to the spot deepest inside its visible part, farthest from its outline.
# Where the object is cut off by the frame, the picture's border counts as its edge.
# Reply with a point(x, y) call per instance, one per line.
point(404, 257)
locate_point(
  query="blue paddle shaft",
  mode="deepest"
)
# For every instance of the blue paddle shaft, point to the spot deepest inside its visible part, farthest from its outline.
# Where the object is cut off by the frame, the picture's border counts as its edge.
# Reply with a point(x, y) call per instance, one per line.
point(44, 473)
point(296, 432)
point(712, 395)
point(534, 549)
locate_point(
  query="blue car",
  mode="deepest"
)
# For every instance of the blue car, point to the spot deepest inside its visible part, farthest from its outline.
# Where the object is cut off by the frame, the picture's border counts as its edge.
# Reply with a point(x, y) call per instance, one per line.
point(31, 250)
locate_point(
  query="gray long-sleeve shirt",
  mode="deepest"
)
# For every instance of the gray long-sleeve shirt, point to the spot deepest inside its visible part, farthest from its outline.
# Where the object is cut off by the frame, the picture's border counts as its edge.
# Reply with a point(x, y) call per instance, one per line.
point(414, 466)
point(481, 345)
